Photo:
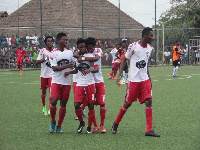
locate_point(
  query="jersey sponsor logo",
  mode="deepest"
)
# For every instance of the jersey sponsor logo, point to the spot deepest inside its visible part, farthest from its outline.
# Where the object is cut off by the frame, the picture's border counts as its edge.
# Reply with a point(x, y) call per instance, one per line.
point(48, 64)
point(83, 66)
point(63, 62)
point(140, 64)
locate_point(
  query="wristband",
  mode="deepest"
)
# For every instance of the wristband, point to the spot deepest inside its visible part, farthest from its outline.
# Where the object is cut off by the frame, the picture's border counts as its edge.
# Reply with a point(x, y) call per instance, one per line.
point(83, 58)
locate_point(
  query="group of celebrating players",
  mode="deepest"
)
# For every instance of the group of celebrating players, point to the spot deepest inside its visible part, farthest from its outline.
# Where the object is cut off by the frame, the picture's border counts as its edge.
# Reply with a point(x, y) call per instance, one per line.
point(88, 84)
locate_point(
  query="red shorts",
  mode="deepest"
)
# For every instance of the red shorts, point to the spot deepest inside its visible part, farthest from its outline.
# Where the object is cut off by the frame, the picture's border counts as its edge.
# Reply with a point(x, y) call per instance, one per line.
point(74, 87)
point(85, 94)
point(115, 65)
point(138, 90)
point(45, 83)
point(60, 91)
point(100, 93)
point(19, 62)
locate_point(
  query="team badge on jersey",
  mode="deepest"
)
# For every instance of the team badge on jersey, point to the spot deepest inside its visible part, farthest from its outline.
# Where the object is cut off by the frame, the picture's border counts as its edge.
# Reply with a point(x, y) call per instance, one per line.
point(63, 62)
point(140, 64)
point(147, 54)
point(83, 66)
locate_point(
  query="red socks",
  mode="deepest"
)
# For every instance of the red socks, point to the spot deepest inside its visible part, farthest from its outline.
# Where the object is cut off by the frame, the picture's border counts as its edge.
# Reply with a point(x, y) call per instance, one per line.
point(114, 73)
point(43, 96)
point(79, 114)
point(62, 113)
point(149, 119)
point(91, 115)
point(53, 113)
point(94, 120)
point(121, 113)
point(102, 114)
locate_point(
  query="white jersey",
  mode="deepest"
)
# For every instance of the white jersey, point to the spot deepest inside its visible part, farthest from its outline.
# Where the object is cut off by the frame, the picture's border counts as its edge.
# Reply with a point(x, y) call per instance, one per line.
point(59, 58)
point(138, 56)
point(88, 79)
point(46, 70)
point(113, 52)
point(98, 77)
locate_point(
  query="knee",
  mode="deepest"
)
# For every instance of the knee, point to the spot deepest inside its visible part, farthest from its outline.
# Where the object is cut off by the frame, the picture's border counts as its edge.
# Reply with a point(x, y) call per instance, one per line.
point(77, 105)
point(148, 102)
point(127, 105)
point(53, 101)
point(91, 106)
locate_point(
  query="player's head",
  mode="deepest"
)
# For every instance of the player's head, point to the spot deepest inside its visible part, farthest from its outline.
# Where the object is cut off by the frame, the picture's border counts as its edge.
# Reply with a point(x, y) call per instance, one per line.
point(123, 44)
point(20, 46)
point(147, 34)
point(49, 41)
point(90, 43)
point(81, 45)
point(61, 39)
point(177, 43)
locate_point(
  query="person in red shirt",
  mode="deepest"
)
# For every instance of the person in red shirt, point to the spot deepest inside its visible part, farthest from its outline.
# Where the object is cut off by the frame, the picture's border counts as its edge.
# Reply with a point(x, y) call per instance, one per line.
point(20, 54)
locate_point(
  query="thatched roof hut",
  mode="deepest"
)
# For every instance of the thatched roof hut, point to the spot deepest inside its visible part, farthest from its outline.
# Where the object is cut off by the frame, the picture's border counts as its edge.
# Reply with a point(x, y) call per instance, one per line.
point(100, 19)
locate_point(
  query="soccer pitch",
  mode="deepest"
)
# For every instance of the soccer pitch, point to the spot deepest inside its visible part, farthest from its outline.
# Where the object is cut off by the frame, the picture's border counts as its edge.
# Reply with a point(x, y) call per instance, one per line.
point(176, 115)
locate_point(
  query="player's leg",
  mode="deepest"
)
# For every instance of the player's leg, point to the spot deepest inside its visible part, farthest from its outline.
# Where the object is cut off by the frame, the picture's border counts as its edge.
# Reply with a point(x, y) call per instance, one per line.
point(78, 112)
point(79, 98)
point(55, 95)
point(91, 116)
point(120, 115)
point(65, 91)
point(132, 93)
point(146, 97)
point(43, 86)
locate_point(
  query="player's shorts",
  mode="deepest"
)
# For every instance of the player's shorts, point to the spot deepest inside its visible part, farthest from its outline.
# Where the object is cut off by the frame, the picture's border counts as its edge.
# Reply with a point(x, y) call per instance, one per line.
point(100, 93)
point(74, 86)
point(125, 67)
point(60, 91)
point(85, 94)
point(45, 83)
point(115, 65)
point(138, 90)
point(176, 62)
point(19, 62)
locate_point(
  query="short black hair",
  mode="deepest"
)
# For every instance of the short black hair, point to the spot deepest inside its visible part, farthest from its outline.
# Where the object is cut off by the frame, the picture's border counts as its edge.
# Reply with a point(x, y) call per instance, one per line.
point(124, 41)
point(45, 40)
point(90, 41)
point(59, 35)
point(146, 31)
point(79, 41)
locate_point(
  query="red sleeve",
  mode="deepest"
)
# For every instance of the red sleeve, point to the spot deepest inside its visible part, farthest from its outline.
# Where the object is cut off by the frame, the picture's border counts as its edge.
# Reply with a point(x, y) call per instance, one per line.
point(25, 53)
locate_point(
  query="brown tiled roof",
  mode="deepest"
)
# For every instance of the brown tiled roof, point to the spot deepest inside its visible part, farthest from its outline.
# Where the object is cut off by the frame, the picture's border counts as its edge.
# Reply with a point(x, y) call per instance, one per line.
point(98, 14)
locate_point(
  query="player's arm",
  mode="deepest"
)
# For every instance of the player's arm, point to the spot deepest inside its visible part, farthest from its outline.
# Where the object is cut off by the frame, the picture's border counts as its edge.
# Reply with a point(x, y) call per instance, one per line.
point(90, 59)
point(75, 71)
point(40, 61)
point(92, 70)
point(149, 74)
point(117, 55)
point(121, 70)
point(60, 68)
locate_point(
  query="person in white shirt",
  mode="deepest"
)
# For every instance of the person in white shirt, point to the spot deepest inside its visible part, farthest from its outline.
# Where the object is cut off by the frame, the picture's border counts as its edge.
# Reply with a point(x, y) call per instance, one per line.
point(139, 82)
point(61, 62)
point(115, 63)
point(99, 82)
point(167, 57)
point(46, 70)
point(85, 88)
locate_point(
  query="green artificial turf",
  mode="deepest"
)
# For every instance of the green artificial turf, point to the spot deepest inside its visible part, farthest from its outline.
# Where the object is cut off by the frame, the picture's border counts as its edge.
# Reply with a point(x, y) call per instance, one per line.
point(176, 115)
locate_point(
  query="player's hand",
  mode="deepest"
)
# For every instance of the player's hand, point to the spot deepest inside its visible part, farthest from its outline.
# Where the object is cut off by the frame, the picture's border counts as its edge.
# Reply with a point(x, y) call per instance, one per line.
point(70, 65)
point(66, 74)
point(85, 72)
point(118, 82)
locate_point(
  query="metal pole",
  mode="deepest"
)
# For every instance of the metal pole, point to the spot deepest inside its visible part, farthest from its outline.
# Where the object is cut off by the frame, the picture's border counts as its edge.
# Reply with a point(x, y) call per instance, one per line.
point(18, 17)
point(188, 32)
point(119, 24)
point(163, 41)
point(41, 18)
point(82, 22)
point(155, 37)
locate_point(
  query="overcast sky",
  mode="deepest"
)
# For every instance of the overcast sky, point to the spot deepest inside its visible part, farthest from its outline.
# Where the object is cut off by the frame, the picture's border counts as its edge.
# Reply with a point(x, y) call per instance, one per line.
point(141, 10)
